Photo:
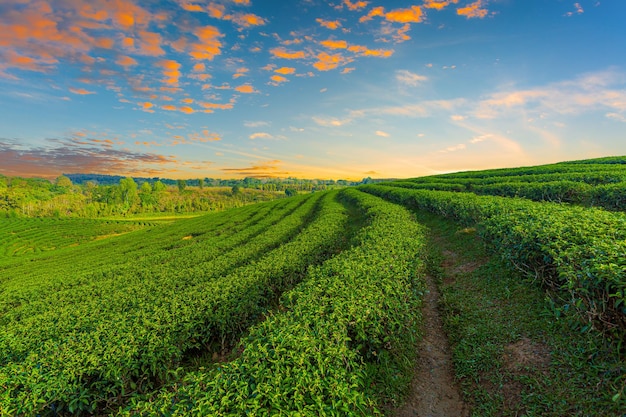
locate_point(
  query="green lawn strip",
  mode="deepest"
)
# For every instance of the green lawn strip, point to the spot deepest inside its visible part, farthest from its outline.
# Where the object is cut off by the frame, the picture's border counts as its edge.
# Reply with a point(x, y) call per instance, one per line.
point(511, 355)
point(135, 340)
point(342, 344)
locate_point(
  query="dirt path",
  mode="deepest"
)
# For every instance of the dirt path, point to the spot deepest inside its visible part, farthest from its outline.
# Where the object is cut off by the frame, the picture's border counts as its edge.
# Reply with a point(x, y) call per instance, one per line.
point(434, 392)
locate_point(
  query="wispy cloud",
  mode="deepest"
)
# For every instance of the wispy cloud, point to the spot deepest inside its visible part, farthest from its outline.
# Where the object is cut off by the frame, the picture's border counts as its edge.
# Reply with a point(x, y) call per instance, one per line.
point(474, 10)
point(261, 135)
point(266, 169)
point(409, 78)
point(81, 91)
point(578, 9)
point(246, 89)
point(78, 155)
point(329, 24)
point(331, 121)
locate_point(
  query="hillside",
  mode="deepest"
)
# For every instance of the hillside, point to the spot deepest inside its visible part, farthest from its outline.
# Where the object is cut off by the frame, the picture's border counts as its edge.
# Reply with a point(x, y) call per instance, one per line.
point(320, 304)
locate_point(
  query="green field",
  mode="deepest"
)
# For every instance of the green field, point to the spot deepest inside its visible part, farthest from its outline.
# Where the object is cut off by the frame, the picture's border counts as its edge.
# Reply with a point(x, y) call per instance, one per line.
point(311, 305)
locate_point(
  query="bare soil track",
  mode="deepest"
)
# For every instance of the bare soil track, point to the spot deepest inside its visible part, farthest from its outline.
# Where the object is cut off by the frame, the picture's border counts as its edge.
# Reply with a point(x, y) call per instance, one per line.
point(434, 392)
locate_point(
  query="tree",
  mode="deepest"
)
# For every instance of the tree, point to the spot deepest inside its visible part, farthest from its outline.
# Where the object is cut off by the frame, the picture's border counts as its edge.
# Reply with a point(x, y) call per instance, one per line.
point(128, 188)
point(289, 192)
point(63, 183)
point(159, 187)
point(235, 190)
point(200, 183)
point(145, 194)
point(182, 184)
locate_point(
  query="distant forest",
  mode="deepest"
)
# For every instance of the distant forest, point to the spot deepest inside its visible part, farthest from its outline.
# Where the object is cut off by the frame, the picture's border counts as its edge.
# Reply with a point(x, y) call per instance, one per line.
point(92, 195)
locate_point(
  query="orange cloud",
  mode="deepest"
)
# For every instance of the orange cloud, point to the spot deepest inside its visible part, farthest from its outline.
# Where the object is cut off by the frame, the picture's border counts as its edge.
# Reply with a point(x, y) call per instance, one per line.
point(333, 44)
point(365, 51)
point(67, 156)
point(278, 79)
point(220, 106)
point(199, 67)
point(438, 4)
point(473, 10)
point(283, 53)
point(12, 59)
point(168, 107)
point(265, 169)
point(356, 5)
point(326, 62)
point(245, 89)
point(400, 35)
point(376, 11)
point(334, 24)
point(242, 2)
point(411, 15)
point(81, 91)
point(347, 70)
point(285, 70)
point(192, 7)
point(209, 45)
point(149, 43)
point(248, 19)
point(105, 43)
point(171, 71)
point(126, 61)
point(147, 107)
point(187, 100)
point(186, 109)
point(216, 10)
point(240, 72)
point(204, 136)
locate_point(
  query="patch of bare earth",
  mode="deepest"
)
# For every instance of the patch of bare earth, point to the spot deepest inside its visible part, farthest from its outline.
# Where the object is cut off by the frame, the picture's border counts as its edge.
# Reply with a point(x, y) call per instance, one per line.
point(524, 357)
point(434, 392)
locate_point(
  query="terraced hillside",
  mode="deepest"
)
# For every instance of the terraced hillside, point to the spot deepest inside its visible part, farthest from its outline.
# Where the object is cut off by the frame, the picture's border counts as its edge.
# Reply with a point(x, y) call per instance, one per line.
point(309, 305)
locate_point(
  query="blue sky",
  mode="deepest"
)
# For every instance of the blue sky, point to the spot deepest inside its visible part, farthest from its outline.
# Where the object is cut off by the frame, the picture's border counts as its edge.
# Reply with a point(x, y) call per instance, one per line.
point(341, 89)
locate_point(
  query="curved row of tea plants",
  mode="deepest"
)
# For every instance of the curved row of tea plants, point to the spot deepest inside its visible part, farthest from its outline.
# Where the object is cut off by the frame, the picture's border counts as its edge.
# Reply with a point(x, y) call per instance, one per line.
point(161, 249)
point(589, 182)
point(28, 236)
point(93, 345)
point(579, 251)
point(343, 342)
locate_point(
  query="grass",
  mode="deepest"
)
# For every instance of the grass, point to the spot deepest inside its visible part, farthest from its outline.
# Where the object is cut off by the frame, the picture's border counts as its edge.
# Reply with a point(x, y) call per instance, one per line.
point(512, 355)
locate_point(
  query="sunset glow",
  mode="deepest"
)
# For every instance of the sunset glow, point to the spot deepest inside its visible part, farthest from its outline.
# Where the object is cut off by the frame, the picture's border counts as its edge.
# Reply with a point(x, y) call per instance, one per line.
point(311, 89)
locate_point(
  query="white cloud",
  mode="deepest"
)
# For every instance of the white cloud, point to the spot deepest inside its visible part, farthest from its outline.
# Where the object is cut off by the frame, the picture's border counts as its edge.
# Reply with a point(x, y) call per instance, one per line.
point(455, 148)
point(331, 121)
point(616, 116)
point(595, 91)
point(410, 78)
point(481, 138)
point(261, 135)
point(255, 123)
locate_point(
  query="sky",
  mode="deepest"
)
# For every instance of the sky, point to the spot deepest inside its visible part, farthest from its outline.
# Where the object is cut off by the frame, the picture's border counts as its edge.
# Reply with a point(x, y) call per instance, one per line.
point(341, 89)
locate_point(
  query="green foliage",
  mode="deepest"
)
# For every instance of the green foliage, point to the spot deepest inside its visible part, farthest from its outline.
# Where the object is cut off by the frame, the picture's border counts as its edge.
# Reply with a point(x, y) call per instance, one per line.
point(579, 251)
point(343, 343)
point(78, 341)
point(31, 236)
point(510, 357)
point(594, 182)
